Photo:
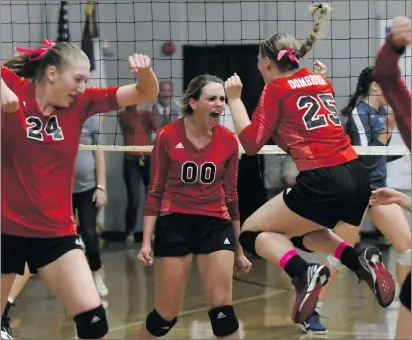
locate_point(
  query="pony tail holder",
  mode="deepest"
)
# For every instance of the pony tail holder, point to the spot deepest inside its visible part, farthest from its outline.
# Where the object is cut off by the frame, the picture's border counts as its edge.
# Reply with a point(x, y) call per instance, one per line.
point(289, 53)
point(40, 52)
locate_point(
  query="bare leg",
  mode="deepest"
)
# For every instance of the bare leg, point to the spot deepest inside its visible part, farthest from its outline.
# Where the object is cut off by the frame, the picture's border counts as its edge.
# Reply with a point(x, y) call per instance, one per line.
point(171, 275)
point(216, 270)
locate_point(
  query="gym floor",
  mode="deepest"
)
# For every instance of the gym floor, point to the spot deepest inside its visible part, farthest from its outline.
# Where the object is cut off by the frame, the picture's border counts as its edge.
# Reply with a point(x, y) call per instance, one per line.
point(263, 302)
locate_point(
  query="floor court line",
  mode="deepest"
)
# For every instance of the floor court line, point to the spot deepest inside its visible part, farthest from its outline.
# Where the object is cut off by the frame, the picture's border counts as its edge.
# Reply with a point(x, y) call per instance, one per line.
point(195, 310)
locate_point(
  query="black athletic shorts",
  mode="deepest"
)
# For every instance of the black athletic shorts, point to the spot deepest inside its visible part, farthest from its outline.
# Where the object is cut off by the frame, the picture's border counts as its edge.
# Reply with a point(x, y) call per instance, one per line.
point(405, 295)
point(16, 251)
point(329, 195)
point(178, 235)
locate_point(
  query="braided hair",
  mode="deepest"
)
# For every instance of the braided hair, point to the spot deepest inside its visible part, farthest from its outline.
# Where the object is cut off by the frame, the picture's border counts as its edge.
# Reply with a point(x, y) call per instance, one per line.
point(272, 46)
point(366, 78)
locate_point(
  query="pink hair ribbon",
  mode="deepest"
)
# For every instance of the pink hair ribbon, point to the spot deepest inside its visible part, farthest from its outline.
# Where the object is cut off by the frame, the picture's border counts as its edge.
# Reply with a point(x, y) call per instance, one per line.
point(40, 51)
point(289, 52)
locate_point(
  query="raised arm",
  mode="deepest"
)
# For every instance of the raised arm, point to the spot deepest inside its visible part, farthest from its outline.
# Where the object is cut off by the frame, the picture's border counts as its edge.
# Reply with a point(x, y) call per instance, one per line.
point(146, 89)
point(254, 134)
point(104, 100)
point(389, 76)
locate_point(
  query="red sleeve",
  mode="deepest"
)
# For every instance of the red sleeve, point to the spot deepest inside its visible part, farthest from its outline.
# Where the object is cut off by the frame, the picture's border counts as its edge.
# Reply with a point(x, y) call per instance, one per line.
point(100, 100)
point(158, 176)
point(12, 80)
point(264, 120)
point(230, 182)
point(394, 88)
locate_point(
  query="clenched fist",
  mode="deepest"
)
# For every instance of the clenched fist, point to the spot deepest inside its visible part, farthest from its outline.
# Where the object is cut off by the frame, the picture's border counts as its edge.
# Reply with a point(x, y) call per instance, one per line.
point(9, 100)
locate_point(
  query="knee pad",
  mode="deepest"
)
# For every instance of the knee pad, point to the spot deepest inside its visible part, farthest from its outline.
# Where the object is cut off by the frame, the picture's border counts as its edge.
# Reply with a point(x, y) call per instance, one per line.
point(157, 326)
point(404, 259)
point(298, 243)
point(247, 240)
point(405, 294)
point(224, 321)
point(335, 263)
point(92, 324)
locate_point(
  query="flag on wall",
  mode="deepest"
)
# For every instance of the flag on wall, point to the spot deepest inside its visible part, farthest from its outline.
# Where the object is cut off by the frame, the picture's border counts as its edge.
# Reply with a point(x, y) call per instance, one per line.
point(90, 32)
point(63, 32)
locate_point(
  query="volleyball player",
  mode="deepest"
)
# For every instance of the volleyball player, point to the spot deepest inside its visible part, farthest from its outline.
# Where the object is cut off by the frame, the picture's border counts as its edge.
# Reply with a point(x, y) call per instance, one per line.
point(192, 199)
point(399, 98)
point(40, 143)
point(297, 109)
point(369, 123)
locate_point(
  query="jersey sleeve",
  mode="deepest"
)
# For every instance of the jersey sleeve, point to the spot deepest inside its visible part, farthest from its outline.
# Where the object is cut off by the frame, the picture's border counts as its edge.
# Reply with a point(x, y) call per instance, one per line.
point(158, 175)
point(230, 182)
point(394, 88)
point(12, 80)
point(264, 120)
point(100, 100)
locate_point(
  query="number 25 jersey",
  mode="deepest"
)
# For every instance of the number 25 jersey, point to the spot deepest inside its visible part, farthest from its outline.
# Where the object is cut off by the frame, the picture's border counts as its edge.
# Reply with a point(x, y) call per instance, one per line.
point(190, 180)
point(300, 115)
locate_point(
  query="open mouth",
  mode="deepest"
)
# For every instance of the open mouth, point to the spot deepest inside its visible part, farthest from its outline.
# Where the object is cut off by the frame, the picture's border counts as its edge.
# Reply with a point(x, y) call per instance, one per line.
point(215, 115)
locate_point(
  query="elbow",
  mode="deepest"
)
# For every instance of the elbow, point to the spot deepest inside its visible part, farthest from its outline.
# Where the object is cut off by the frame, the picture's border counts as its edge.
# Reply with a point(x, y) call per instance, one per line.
point(251, 149)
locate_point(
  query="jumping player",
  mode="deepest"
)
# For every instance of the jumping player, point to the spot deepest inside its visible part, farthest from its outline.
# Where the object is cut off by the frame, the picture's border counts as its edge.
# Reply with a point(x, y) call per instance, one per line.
point(192, 200)
point(297, 109)
point(40, 143)
point(369, 123)
point(399, 98)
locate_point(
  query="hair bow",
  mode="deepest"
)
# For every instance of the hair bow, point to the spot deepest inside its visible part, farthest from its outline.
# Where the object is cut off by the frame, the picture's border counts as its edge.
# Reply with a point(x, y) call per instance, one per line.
point(40, 51)
point(289, 52)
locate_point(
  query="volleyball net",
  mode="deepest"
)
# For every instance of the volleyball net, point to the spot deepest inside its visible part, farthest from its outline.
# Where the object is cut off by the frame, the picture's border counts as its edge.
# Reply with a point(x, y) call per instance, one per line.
point(187, 38)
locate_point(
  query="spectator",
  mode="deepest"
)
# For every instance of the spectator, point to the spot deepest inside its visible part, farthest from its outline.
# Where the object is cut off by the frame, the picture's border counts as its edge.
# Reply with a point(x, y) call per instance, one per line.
point(89, 196)
point(163, 108)
point(138, 127)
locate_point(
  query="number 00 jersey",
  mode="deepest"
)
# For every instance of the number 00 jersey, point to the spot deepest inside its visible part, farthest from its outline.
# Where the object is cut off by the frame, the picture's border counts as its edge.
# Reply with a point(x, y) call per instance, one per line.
point(188, 180)
point(38, 159)
point(299, 113)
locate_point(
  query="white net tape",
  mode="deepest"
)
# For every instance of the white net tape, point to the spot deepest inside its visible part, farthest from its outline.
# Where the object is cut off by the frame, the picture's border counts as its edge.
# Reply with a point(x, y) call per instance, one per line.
point(266, 150)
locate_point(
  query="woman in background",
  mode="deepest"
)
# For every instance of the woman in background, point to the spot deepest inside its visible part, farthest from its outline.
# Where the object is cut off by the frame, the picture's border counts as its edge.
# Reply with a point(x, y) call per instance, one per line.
point(89, 196)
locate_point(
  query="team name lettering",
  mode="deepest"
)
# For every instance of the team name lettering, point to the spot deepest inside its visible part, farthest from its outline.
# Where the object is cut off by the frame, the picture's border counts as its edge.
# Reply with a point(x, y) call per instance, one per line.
point(306, 81)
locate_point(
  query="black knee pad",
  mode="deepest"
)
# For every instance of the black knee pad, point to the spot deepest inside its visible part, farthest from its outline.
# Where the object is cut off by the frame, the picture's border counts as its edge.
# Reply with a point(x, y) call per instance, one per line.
point(405, 295)
point(157, 326)
point(224, 321)
point(247, 239)
point(92, 324)
point(298, 243)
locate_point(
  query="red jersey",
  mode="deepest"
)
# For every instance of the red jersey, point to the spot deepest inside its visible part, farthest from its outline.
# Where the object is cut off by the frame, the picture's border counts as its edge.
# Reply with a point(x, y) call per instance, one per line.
point(299, 113)
point(137, 127)
point(394, 88)
point(188, 180)
point(38, 159)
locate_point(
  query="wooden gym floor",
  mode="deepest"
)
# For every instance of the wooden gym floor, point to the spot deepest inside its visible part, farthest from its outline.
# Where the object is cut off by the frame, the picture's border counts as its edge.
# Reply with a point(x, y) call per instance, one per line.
point(263, 305)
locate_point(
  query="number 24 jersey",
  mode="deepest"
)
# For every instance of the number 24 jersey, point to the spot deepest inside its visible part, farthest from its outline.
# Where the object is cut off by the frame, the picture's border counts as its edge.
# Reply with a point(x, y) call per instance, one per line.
point(38, 159)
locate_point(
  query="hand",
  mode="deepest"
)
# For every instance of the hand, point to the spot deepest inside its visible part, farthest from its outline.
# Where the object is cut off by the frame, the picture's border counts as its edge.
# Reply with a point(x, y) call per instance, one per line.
point(320, 68)
point(385, 196)
point(139, 63)
point(9, 100)
point(233, 87)
point(401, 32)
point(145, 255)
point(99, 197)
point(243, 265)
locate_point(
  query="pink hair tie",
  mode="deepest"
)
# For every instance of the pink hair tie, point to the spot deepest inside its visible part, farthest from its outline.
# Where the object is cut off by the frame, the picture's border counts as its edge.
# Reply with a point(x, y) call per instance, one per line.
point(289, 52)
point(40, 51)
